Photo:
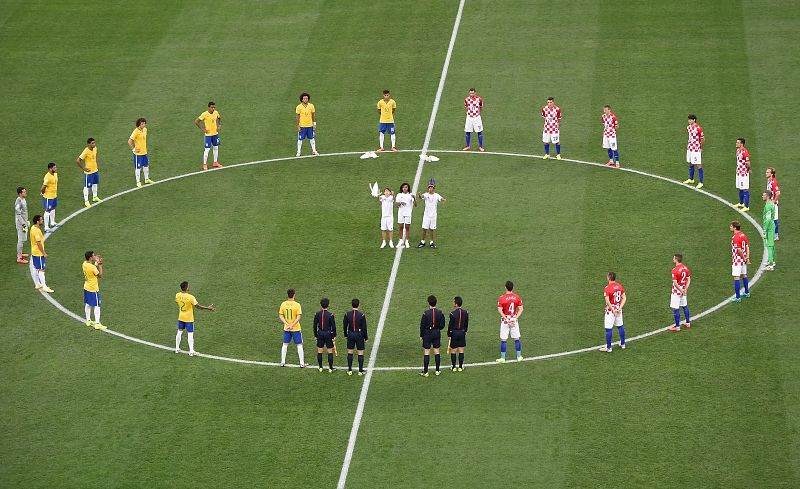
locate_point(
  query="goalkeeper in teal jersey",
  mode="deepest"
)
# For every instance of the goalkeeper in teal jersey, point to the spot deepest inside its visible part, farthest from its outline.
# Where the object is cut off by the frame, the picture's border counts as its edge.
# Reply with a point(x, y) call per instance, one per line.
point(768, 223)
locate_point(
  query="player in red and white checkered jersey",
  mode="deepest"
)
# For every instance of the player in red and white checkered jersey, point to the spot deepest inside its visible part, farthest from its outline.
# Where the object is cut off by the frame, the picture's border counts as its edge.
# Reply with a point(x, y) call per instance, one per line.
point(681, 278)
point(509, 305)
point(610, 126)
point(743, 174)
point(474, 106)
point(615, 298)
point(694, 150)
point(772, 186)
point(740, 258)
point(551, 114)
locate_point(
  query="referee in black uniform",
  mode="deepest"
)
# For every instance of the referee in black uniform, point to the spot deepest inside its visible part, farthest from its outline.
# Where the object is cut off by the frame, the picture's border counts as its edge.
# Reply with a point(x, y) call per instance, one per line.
point(325, 333)
point(355, 325)
point(457, 331)
point(430, 334)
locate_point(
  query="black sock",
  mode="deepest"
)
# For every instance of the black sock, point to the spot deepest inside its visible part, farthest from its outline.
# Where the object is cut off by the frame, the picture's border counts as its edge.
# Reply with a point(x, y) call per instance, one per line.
point(438, 359)
point(453, 359)
point(349, 361)
point(361, 363)
point(330, 360)
point(425, 362)
point(319, 359)
point(461, 360)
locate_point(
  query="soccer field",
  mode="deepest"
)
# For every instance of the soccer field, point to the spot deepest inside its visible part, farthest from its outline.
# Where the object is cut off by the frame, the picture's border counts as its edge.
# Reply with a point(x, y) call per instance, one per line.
point(717, 405)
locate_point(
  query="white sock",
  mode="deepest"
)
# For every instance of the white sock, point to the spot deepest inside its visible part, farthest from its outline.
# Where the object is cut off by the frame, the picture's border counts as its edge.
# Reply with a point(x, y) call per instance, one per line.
point(138, 172)
point(41, 279)
point(94, 190)
point(205, 156)
point(97, 314)
point(380, 139)
point(178, 337)
point(313, 144)
point(394, 139)
point(36, 278)
point(216, 154)
point(20, 245)
point(299, 145)
point(85, 194)
point(283, 352)
point(46, 219)
point(190, 337)
point(300, 351)
point(147, 173)
point(88, 310)
point(53, 217)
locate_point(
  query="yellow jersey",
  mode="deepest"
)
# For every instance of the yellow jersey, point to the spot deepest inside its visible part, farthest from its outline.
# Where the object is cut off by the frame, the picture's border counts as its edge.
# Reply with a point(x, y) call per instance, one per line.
point(140, 140)
point(387, 110)
point(51, 185)
point(186, 303)
point(90, 274)
point(89, 157)
point(305, 112)
point(211, 121)
point(36, 237)
point(291, 310)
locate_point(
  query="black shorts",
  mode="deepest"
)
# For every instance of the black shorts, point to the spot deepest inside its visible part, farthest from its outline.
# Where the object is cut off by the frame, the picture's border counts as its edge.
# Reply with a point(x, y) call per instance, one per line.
point(355, 341)
point(324, 340)
point(458, 339)
point(432, 339)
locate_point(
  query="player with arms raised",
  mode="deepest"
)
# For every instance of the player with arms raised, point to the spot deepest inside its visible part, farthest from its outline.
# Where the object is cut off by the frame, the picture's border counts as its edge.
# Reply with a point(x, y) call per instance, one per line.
point(610, 126)
point(387, 217)
point(743, 175)
point(740, 258)
point(772, 186)
point(615, 298)
point(474, 106)
point(509, 305)
point(694, 150)
point(681, 278)
point(551, 114)
point(386, 108)
point(92, 271)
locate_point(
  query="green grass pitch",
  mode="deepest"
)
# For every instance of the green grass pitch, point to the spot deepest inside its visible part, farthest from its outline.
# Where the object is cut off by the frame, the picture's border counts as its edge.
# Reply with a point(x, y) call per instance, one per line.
point(717, 406)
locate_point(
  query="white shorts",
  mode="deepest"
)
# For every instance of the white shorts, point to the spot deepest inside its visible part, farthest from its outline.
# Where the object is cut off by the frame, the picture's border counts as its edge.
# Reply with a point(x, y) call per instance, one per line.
point(611, 320)
point(694, 157)
point(473, 124)
point(737, 270)
point(401, 219)
point(743, 183)
point(676, 301)
point(23, 235)
point(550, 137)
point(387, 224)
point(506, 328)
point(609, 143)
point(428, 222)
point(776, 212)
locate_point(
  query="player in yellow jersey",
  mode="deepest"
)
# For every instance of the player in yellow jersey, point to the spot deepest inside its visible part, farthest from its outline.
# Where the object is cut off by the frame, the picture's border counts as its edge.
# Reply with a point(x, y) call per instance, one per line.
point(138, 144)
point(306, 121)
point(386, 108)
point(92, 271)
point(50, 197)
point(186, 304)
point(87, 162)
point(290, 313)
point(211, 124)
point(38, 255)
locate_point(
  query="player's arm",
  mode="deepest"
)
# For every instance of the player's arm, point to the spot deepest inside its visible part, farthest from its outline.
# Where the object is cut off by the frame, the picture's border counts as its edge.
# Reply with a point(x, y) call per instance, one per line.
point(132, 144)
point(624, 300)
point(608, 301)
point(451, 325)
point(219, 123)
point(363, 323)
point(442, 199)
point(199, 123)
point(44, 188)
point(315, 326)
point(520, 310)
point(688, 282)
point(702, 138)
point(98, 262)
point(209, 307)
point(297, 121)
point(41, 247)
point(465, 321)
point(283, 319)
point(81, 165)
point(333, 326)
point(296, 321)
point(502, 314)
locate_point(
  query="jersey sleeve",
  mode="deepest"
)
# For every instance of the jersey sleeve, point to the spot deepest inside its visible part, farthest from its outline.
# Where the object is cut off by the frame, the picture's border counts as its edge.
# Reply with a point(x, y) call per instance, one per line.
point(558, 114)
point(83, 154)
point(313, 109)
point(299, 309)
point(95, 270)
point(193, 300)
point(133, 134)
point(297, 110)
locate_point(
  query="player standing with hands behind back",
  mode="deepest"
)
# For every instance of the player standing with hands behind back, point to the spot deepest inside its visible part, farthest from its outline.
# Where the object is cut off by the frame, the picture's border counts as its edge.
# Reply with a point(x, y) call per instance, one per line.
point(509, 305)
point(615, 298)
point(430, 335)
point(386, 108)
point(694, 150)
point(290, 314)
point(432, 200)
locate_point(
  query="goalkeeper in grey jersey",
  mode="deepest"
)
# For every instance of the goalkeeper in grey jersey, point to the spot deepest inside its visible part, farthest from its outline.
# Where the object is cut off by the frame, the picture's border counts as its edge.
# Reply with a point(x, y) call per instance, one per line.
point(21, 221)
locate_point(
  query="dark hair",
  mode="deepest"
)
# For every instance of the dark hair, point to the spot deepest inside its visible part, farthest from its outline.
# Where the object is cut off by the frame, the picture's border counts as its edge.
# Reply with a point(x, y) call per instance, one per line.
point(211, 103)
point(612, 276)
point(184, 286)
point(89, 254)
point(36, 218)
point(20, 189)
point(304, 94)
point(50, 165)
point(405, 184)
point(606, 106)
point(90, 141)
point(432, 300)
point(678, 257)
point(290, 293)
point(692, 117)
point(736, 225)
point(458, 301)
point(509, 285)
point(355, 303)
point(385, 92)
point(324, 302)
point(772, 170)
point(140, 120)
point(471, 89)
point(769, 193)
point(550, 98)
point(741, 140)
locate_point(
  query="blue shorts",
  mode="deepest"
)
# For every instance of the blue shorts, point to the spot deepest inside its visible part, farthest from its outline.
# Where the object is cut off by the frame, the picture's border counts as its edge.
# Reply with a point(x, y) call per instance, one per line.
point(305, 133)
point(212, 140)
point(296, 336)
point(91, 298)
point(90, 179)
point(140, 161)
point(386, 126)
point(49, 204)
point(39, 262)
point(189, 327)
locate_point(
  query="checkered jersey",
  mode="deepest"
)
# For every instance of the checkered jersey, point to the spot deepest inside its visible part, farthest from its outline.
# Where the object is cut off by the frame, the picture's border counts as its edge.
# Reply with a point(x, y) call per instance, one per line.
point(680, 277)
point(610, 125)
point(551, 116)
point(739, 244)
point(772, 186)
point(473, 106)
point(695, 137)
point(742, 162)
